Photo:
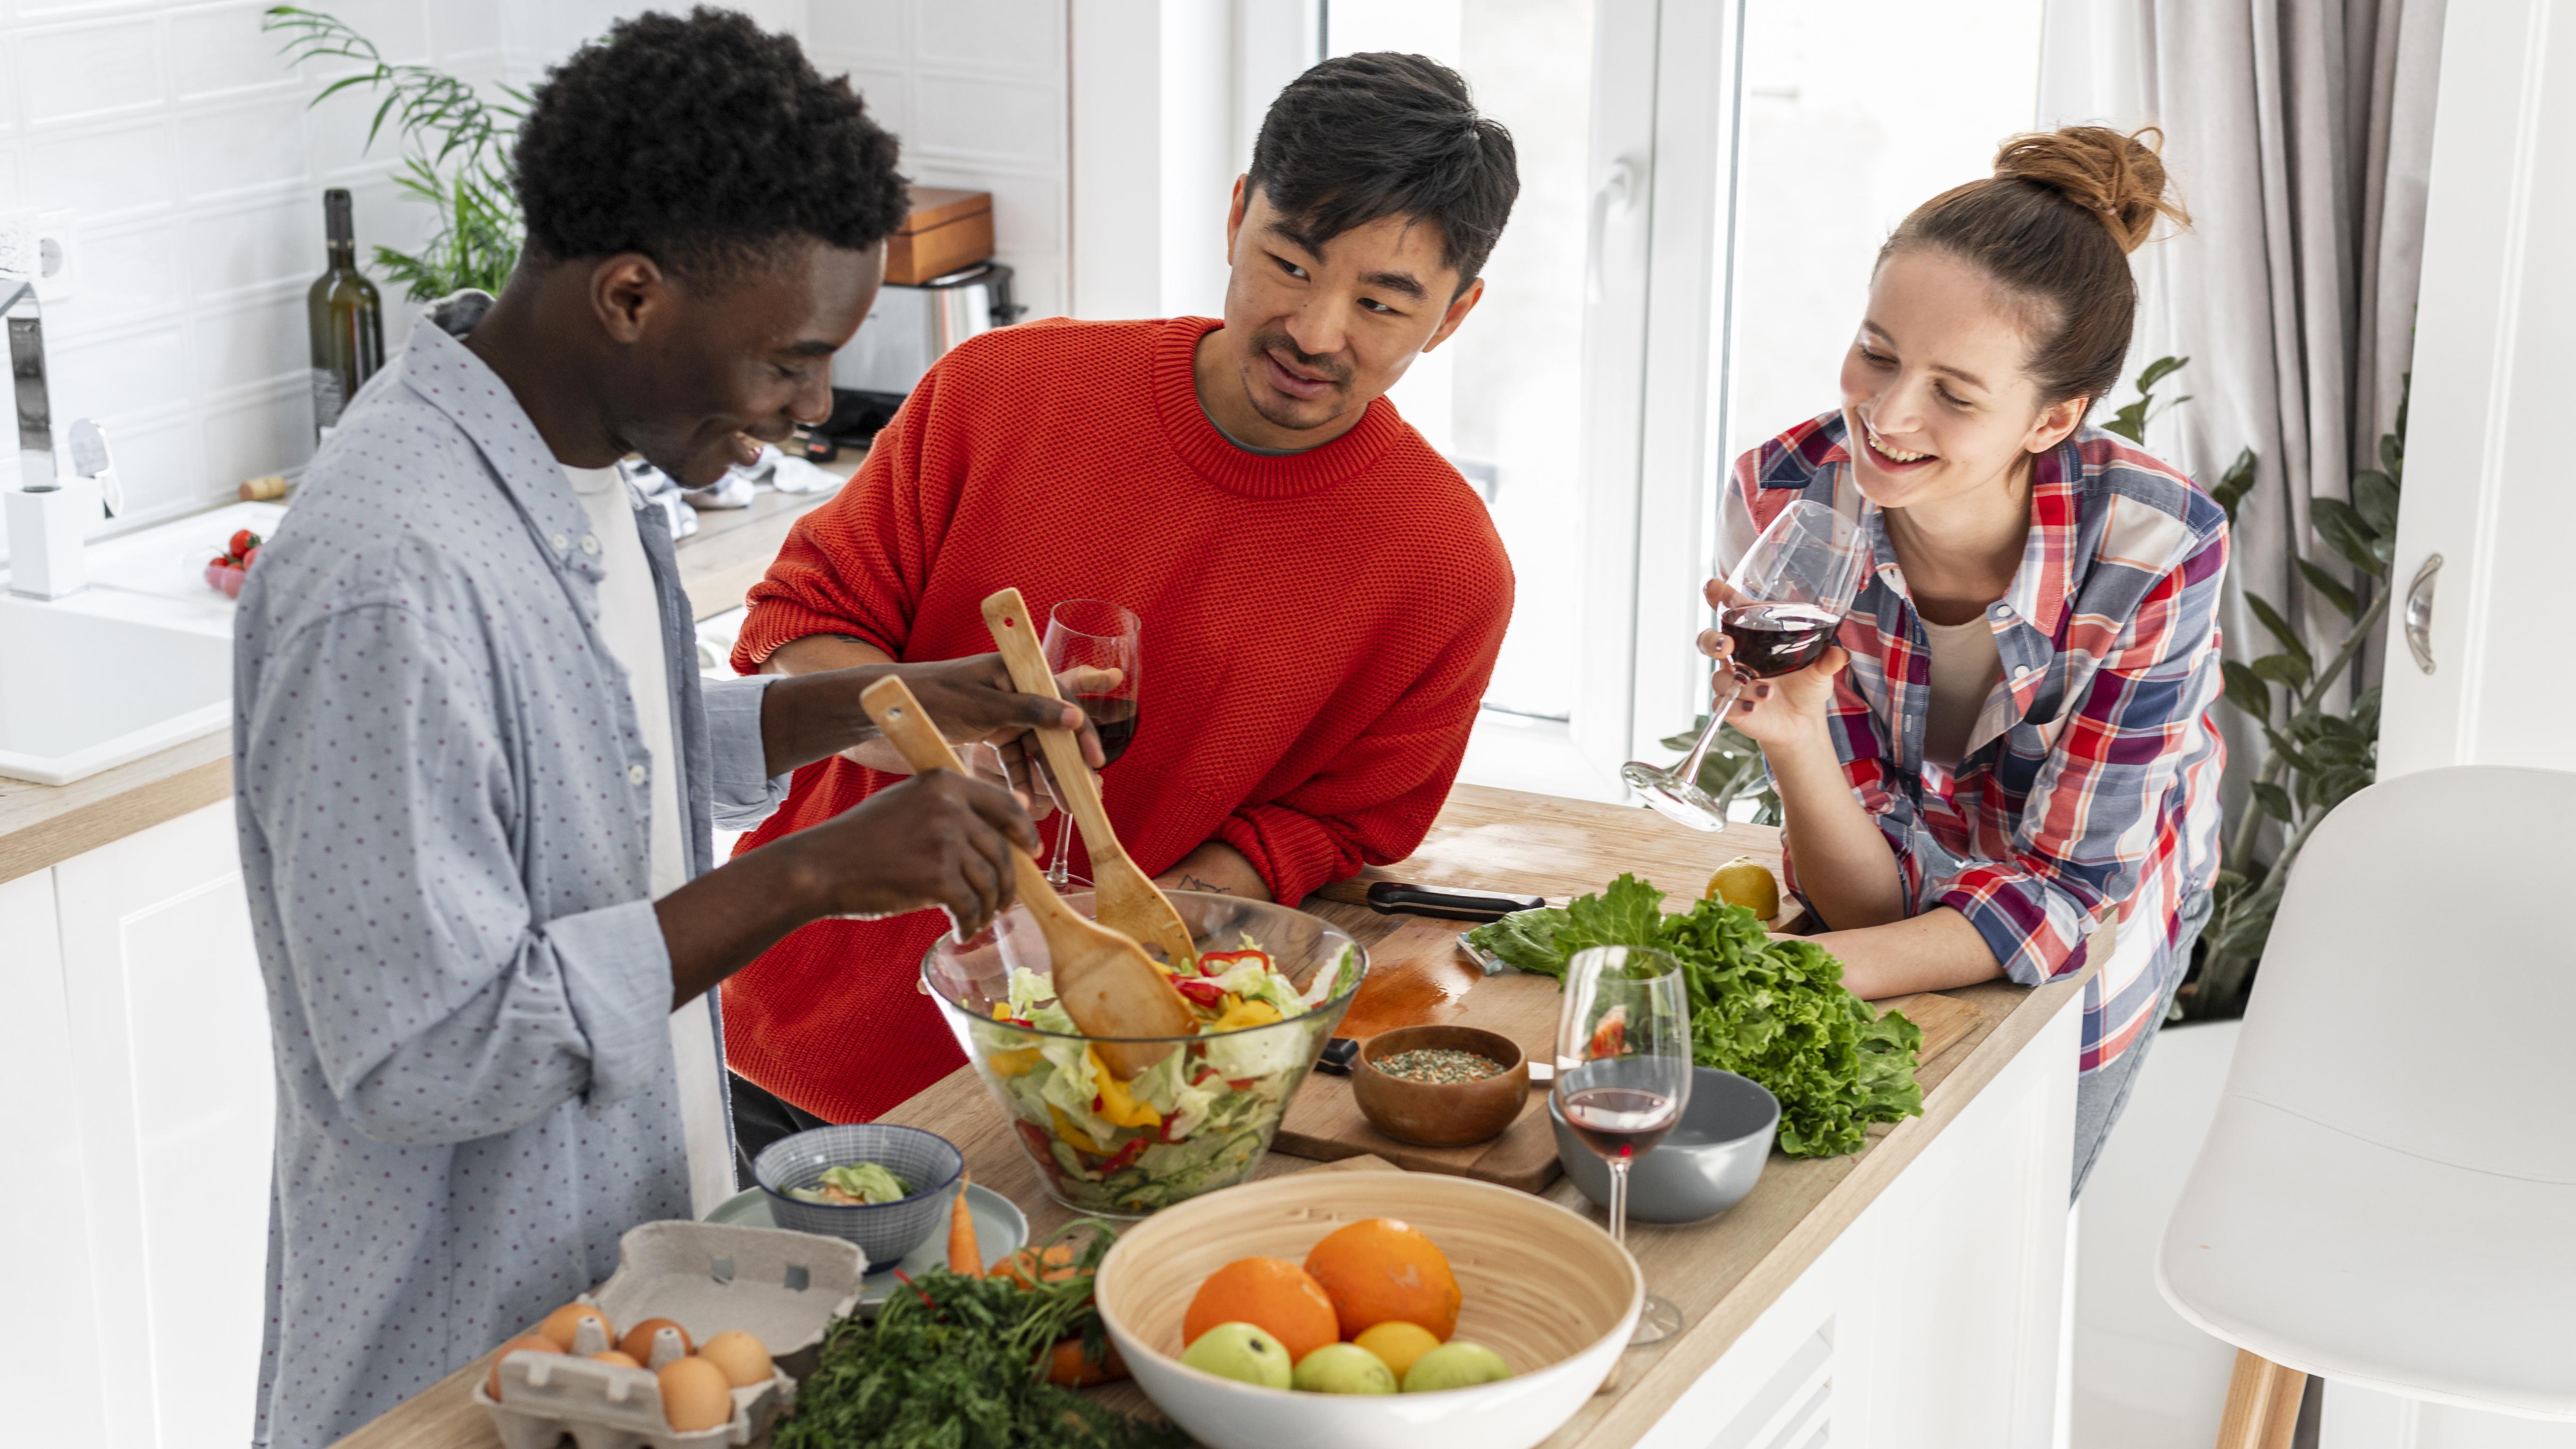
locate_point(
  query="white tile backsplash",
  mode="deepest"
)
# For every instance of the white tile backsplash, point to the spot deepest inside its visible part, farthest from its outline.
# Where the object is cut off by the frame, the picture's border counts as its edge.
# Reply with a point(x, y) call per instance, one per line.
point(188, 152)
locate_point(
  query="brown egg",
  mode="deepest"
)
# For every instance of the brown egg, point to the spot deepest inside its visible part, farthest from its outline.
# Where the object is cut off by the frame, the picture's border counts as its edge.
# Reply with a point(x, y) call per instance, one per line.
point(613, 1356)
point(638, 1342)
point(492, 1385)
point(564, 1326)
point(694, 1395)
point(744, 1359)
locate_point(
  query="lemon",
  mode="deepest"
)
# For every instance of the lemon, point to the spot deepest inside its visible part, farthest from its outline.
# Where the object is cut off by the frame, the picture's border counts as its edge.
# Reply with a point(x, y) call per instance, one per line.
point(1744, 882)
point(1398, 1343)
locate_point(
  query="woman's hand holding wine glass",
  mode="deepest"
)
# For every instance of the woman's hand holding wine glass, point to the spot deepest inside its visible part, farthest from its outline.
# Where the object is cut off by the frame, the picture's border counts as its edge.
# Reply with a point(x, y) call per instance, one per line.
point(1787, 709)
point(1783, 602)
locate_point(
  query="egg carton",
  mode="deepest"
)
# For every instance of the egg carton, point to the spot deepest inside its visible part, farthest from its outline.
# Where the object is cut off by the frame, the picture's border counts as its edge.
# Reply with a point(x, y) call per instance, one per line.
point(782, 1288)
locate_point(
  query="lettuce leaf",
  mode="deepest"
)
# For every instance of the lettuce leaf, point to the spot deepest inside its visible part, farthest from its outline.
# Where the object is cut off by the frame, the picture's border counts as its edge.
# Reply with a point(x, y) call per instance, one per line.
point(1774, 1011)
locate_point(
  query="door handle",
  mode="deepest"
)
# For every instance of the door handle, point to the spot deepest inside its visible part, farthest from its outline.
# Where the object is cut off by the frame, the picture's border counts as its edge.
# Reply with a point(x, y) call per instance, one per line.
point(2419, 613)
point(1618, 192)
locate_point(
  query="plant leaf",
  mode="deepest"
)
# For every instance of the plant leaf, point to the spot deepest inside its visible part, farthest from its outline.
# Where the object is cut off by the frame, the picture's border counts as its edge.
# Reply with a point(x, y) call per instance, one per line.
point(2287, 670)
point(2246, 689)
point(2235, 483)
point(2339, 525)
point(2275, 802)
point(2160, 369)
point(2280, 629)
point(2329, 588)
point(2129, 422)
point(2374, 497)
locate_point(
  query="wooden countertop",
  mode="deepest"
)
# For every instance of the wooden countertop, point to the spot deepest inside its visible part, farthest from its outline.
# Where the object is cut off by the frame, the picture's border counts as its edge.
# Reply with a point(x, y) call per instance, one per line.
point(43, 825)
point(1721, 1274)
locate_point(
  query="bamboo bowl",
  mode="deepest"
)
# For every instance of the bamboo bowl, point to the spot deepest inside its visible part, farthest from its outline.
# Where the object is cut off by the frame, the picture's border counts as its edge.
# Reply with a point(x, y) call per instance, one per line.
point(1542, 1286)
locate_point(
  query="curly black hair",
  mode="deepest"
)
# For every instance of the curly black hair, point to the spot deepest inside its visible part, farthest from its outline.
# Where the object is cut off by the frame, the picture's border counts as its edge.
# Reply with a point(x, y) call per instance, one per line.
point(1379, 134)
point(703, 143)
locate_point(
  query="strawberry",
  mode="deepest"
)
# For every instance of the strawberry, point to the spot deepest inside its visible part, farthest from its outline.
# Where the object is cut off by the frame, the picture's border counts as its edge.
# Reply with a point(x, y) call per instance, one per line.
point(243, 542)
point(250, 557)
point(220, 561)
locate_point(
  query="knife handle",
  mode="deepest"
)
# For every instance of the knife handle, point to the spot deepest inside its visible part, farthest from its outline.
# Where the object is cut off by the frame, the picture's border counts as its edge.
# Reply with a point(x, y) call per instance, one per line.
point(1390, 898)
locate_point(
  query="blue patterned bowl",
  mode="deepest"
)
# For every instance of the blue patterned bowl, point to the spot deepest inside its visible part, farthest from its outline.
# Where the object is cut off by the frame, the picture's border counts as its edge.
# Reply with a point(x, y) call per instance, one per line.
point(927, 1162)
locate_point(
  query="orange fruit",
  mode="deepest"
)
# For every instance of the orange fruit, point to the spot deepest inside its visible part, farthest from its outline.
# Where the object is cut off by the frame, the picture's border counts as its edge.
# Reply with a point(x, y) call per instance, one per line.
point(1271, 1294)
point(1381, 1269)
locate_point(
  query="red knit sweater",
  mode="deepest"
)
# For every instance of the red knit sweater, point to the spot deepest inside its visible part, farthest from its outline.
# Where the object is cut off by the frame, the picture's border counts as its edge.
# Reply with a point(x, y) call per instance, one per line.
point(1318, 630)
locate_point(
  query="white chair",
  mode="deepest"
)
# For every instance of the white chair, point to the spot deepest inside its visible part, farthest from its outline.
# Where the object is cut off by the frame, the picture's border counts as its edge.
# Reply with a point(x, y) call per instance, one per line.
point(2388, 1195)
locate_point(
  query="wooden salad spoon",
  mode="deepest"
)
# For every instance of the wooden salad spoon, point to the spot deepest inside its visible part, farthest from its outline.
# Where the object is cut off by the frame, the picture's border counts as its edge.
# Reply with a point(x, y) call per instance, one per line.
point(1106, 982)
point(1125, 897)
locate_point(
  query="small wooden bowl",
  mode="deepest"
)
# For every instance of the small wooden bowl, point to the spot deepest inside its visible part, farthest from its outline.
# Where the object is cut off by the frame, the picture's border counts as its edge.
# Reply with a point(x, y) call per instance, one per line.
point(1441, 1114)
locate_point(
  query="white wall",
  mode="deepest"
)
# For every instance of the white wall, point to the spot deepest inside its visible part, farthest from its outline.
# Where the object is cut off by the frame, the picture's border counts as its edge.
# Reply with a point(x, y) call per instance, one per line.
point(184, 147)
point(1166, 97)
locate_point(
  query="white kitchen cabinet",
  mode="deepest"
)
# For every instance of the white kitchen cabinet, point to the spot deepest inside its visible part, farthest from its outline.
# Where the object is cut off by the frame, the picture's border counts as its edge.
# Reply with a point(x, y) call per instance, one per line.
point(1934, 1318)
point(139, 1122)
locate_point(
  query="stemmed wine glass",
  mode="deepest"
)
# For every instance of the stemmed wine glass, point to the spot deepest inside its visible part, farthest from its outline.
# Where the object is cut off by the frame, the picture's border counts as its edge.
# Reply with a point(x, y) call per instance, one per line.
point(1623, 1074)
point(1093, 635)
point(1792, 589)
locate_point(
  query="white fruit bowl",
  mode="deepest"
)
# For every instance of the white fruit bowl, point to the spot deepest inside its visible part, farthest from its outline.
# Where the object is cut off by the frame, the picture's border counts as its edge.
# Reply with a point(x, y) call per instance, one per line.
point(1542, 1286)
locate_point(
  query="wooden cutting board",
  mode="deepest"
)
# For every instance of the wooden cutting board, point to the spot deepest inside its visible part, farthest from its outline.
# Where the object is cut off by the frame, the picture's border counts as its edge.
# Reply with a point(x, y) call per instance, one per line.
point(1417, 975)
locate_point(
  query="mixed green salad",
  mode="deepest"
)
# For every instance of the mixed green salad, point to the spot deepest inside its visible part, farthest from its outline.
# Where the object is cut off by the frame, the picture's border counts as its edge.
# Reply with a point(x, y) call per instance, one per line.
point(1194, 1121)
point(1774, 1011)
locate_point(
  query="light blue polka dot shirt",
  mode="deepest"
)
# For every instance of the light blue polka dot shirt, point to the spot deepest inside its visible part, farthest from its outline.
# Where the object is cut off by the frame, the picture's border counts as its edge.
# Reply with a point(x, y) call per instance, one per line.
point(443, 800)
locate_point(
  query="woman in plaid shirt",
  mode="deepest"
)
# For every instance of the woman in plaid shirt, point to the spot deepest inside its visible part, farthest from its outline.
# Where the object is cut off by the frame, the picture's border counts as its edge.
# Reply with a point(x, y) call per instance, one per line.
point(2006, 767)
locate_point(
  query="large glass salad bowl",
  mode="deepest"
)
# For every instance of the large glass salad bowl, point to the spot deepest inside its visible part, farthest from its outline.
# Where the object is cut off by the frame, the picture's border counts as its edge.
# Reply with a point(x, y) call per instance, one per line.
point(1268, 987)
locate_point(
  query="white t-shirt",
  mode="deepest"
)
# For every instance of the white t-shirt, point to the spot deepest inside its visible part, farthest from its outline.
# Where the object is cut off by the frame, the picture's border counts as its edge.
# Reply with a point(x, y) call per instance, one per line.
point(630, 620)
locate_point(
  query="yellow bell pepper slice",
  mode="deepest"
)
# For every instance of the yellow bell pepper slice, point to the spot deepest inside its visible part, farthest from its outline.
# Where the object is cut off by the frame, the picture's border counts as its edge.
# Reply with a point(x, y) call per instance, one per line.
point(1116, 1101)
point(1246, 1013)
point(1080, 1139)
point(1017, 1063)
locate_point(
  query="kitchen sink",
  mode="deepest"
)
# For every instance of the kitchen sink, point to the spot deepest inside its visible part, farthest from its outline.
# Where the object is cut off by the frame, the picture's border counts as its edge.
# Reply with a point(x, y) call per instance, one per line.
point(107, 676)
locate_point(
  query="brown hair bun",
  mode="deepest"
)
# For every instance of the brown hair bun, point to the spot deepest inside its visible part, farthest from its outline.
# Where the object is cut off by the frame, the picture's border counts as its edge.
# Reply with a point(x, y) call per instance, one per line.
point(2118, 178)
point(2054, 227)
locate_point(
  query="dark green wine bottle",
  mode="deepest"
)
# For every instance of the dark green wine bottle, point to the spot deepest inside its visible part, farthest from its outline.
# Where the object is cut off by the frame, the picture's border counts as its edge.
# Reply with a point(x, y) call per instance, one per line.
point(347, 320)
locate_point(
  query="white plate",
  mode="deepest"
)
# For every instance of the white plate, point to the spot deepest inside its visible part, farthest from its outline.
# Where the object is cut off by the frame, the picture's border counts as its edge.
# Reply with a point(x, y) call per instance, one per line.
point(1000, 1229)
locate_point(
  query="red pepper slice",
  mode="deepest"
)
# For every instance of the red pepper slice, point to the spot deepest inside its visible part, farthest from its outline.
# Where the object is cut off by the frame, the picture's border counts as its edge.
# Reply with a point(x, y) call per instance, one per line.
point(1206, 1075)
point(1241, 1084)
point(1205, 993)
point(1217, 963)
point(1124, 1155)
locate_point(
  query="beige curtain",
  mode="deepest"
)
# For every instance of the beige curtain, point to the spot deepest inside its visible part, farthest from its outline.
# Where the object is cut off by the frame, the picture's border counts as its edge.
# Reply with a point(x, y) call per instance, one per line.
point(2300, 133)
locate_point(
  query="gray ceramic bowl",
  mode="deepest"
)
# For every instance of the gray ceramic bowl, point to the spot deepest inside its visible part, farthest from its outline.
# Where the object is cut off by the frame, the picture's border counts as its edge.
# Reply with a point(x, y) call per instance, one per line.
point(1706, 1166)
point(928, 1163)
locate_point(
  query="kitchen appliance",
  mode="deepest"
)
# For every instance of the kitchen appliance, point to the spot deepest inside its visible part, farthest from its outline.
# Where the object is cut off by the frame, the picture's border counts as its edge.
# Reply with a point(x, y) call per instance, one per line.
point(908, 329)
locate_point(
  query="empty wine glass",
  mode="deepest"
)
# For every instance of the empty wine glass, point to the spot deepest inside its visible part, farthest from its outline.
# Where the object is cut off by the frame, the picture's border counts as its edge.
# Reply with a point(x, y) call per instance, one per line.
point(1792, 589)
point(1623, 1074)
point(1094, 634)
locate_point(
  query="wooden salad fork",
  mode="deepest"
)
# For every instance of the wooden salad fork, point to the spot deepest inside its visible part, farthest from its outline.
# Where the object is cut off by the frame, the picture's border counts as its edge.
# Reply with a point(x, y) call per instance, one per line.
point(1107, 983)
point(1126, 898)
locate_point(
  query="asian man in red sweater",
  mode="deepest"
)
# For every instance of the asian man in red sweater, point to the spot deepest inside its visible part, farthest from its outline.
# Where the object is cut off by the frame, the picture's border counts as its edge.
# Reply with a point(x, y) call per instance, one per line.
point(1322, 595)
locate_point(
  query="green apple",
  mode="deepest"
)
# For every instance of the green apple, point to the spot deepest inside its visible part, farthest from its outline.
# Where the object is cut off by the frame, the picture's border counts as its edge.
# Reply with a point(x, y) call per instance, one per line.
point(1241, 1351)
point(1343, 1368)
point(1454, 1366)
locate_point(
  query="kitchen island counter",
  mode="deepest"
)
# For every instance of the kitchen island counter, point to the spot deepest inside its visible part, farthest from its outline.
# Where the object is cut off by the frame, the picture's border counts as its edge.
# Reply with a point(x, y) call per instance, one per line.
point(1908, 1294)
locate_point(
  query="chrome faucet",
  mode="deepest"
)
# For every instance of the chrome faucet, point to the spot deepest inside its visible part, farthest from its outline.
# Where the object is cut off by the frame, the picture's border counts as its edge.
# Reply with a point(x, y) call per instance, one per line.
point(28, 384)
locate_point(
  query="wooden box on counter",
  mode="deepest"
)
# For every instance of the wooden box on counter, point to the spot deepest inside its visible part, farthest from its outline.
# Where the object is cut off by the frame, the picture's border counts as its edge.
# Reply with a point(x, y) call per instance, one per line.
point(947, 230)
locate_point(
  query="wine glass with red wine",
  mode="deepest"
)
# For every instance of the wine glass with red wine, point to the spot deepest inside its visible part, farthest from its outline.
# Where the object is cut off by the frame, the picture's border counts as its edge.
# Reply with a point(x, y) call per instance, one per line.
point(1792, 589)
point(1094, 634)
point(1623, 1074)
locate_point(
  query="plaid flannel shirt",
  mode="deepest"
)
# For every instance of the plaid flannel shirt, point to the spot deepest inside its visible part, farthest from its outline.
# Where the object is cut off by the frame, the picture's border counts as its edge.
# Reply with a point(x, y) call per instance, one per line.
point(2087, 797)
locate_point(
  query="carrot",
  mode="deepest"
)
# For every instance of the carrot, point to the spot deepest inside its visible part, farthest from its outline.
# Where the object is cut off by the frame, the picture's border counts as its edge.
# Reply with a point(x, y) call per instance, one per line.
point(1068, 1367)
point(962, 1256)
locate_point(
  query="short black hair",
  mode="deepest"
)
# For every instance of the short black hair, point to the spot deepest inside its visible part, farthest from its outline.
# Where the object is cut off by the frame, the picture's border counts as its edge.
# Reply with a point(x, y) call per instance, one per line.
point(703, 143)
point(1379, 134)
